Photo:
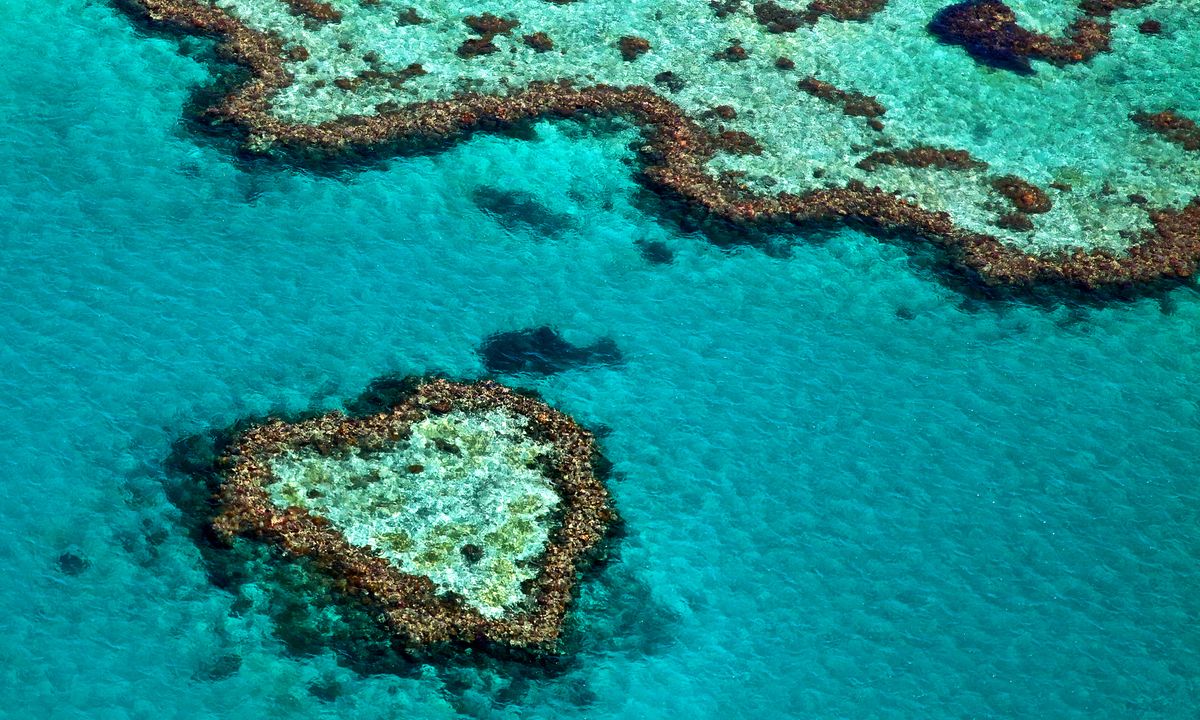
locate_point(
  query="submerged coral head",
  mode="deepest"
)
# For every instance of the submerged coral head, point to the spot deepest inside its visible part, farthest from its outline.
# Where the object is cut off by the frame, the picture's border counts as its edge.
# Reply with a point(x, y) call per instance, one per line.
point(988, 30)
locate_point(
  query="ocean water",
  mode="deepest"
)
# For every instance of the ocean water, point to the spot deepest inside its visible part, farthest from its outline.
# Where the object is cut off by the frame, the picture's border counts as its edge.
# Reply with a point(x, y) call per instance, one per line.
point(851, 490)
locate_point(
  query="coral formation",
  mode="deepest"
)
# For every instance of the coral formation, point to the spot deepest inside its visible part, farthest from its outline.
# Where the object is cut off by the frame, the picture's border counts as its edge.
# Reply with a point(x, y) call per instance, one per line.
point(314, 10)
point(670, 81)
point(1173, 127)
point(489, 25)
point(779, 19)
point(923, 157)
point(332, 103)
point(539, 41)
point(851, 103)
point(459, 515)
point(989, 31)
point(733, 53)
point(1025, 196)
point(632, 47)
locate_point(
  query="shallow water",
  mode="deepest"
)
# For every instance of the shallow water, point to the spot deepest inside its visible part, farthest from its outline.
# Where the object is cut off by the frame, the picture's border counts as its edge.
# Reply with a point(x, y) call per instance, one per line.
point(850, 490)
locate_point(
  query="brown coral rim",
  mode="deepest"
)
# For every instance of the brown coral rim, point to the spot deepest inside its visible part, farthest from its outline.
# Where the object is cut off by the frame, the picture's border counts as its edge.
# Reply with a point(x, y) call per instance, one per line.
point(407, 605)
point(674, 155)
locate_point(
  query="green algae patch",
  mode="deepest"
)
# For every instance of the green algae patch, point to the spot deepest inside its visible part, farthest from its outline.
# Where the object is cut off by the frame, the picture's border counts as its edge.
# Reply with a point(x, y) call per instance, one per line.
point(461, 514)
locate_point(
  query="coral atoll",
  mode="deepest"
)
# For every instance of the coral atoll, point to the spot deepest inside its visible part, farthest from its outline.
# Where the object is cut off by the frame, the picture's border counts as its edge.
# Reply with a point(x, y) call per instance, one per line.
point(786, 148)
point(459, 515)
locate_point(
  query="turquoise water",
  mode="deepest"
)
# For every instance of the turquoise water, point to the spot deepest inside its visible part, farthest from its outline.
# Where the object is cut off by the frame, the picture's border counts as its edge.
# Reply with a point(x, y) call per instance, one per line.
point(850, 489)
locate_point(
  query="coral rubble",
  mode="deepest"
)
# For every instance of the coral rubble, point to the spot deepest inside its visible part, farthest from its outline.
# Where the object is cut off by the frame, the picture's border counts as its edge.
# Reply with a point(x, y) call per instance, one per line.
point(459, 515)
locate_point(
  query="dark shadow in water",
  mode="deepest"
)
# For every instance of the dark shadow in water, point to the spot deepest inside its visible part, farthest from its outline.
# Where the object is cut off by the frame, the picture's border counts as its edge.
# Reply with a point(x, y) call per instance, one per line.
point(326, 689)
point(521, 211)
point(542, 351)
point(382, 393)
point(218, 668)
point(655, 252)
point(616, 610)
point(72, 563)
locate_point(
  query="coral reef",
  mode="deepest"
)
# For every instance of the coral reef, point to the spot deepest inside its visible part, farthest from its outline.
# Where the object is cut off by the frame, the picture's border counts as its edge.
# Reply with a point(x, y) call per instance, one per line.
point(459, 515)
point(294, 106)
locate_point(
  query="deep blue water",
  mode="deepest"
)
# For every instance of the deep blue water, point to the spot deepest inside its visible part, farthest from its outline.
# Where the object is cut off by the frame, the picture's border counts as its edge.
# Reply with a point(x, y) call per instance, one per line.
point(849, 490)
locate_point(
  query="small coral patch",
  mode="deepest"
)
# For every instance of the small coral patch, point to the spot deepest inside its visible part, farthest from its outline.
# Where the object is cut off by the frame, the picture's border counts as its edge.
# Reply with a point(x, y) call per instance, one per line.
point(460, 514)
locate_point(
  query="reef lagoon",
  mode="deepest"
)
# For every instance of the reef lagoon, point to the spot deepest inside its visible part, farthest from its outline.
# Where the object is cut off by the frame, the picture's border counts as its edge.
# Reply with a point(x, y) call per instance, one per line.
point(925, 450)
